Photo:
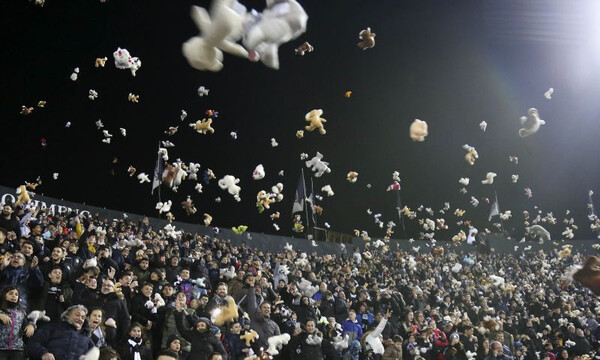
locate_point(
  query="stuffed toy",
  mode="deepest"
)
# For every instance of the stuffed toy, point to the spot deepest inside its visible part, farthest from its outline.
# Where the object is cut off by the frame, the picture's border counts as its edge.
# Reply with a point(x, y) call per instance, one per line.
point(142, 177)
point(26, 110)
point(202, 91)
point(441, 224)
point(537, 232)
point(316, 121)
point(317, 165)
point(568, 233)
point(125, 61)
point(249, 337)
point(164, 153)
point(199, 282)
point(100, 62)
point(75, 74)
point(203, 126)
point(239, 230)
point(589, 274)
point(505, 215)
point(207, 219)
point(464, 181)
point(167, 144)
point(259, 172)
point(263, 201)
point(418, 130)
point(367, 39)
point(280, 22)
point(188, 206)
point(318, 209)
point(227, 273)
point(298, 227)
point(133, 98)
point(471, 355)
point(406, 211)
point(36, 315)
point(228, 182)
point(457, 267)
point(483, 125)
point(192, 171)
point(514, 159)
point(32, 186)
point(24, 196)
point(528, 193)
point(428, 224)
point(173, 174)
point(220, 30)
point(352, 176)
point(226, 313)
point(548, 94)
point(172, 130)
point(276, 192)
point(514, 178)
point(274, 142)
point(471, 154)
point(304, 48)
point(274, 215)
point(300, 134)
point(170, 217)
point(288, 247)
point(164, 207)
point(307, 288)
point(438, 251)
point(531, 123)
point(327, 189)
point(496, 281)
point(489, 178)
point(92, 94)
point(170, 231)
point(395, 186)
point(276, 343)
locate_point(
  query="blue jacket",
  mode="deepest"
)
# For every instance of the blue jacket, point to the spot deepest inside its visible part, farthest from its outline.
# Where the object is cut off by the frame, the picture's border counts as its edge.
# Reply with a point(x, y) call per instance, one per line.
point(26, 280)
point(353, 329)
point(61, 340)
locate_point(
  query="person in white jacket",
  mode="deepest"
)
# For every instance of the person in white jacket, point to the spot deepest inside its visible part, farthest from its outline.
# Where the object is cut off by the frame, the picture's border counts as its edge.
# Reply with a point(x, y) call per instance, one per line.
point(373, 338)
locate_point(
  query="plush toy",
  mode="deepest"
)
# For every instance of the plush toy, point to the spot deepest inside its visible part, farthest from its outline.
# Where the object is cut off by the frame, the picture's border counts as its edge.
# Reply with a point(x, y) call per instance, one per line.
point(317, 165)
point(125, 61)
point(239, 230)
point(441, 224)
point(203, 126)
point(395, 186)
point(589, 274)
point(307, 288)
point(565, 251)
point(427, 224)
point(142, 177)
point(537, 232)
point(26, 110)
point(438, 251)
point(192, 171)
point(327, 189)
point(24, 197)
point(226, 313)
point(471, 154)
point(75, 74)
point(459, 212)
point(300, 134)
point(548, 94)
point(489, 178)
point(173, 174)
point(280, 22)
point(227, 273)
point(352, 176)
point(304, 48)
point(259, 172)
point(100, 62)
point(298, 227)
point(274, 142)
point(418, 130)
point(133, 98)
point(263, 201)
point(36, 315)
point(367, 39)
point(461, 236)
point(167, 144)
point(249, 337)
point(92, 94)
point(464, 181)
point(276, 343)
point(347, 94)
point(164, 207)
point(228, 182)
point(172, 130)
point(203, 91)
point(207, 219)
point(316, 121)
point(483, 125)
point(528, 193)
point(531, 123)
point(188, 206)
point(276, 192)
point(220, 30)
point(318, 209)
point(514, 159)
point(170, 217)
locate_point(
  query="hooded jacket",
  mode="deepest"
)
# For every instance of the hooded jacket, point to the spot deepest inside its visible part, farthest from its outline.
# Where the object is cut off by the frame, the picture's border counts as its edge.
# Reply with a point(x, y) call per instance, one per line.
point(61, 339)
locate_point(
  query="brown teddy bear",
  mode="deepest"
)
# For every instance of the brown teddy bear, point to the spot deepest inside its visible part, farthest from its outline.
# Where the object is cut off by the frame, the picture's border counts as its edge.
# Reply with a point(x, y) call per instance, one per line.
point(227, 313)
point(249, 337)
point(589, 274)
point(316, 121)
point(304, 48)
point(367, 39)
point(188, 206)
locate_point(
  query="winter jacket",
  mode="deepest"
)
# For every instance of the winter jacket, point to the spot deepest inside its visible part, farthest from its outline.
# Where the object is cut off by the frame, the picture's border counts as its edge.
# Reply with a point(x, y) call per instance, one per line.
point(11, 335)
point(306, 347)
point(234, 346)
point(203, 344)
point(127, 351)
point(26, 280)
point(353, 329)
point(264, 326)
point(373, 339)
point(139, 312)
point(115, 307)
point(61, 340)
point(391, 353)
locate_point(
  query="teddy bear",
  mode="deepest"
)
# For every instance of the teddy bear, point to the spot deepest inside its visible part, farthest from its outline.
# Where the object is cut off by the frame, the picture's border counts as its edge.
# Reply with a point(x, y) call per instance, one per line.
point(352, 176)
point(173, 174)
point(192, 171)
point(24, 196)
point(280, 22)
point(328, 190)
point(203, 126)
point(537, 232)
point(367, 39)
point(26, 110)
point(275, 215)
point(220, 30)
point(207, 219)
point(317, 165)
point(438, 251)
point(531, 123)
point(418, 130)
point(36, 315)
point(318, 209)
point(276, 343)
point(589, 274)
point(188, 206)
point(249, 337)
point(133, 98)
point(239, 230)
point(461, 236)
point(316, 121)
point(304, 48)
point(300, 134)
point(123, 60)
point(100, 62)
point(226, 313)
point(228, 182)
point(172, 130)
point(489, 178)
point(471, 154)
point(164, 207)
point(263, 201)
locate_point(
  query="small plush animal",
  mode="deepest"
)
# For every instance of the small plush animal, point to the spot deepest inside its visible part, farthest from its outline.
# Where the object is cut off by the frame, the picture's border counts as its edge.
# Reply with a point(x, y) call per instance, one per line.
point(316, 121)
point(304, 48)
point(226, 313)
point(276, 343)
point(249, 337)
point(367, 39)
point(531, 123)
point(203, 126)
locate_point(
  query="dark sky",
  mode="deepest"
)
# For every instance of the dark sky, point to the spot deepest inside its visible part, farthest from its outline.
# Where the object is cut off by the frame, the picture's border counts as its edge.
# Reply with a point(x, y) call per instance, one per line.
point(450, 63)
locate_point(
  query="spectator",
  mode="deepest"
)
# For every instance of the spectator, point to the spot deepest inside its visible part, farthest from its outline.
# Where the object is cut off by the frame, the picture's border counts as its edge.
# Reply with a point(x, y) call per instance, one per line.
point(133, 347)
point(97, 327)
point(13, 325)
point(202, 338)
point(13, 272)
point(393, 350)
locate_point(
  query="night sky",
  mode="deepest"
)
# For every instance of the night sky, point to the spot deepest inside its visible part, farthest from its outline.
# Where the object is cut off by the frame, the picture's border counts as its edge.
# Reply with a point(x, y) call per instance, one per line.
point(450, 63)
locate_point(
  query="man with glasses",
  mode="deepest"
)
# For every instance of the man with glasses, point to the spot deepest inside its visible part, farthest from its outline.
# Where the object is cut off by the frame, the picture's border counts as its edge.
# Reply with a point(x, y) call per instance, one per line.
point(13, 272)
point(114, 306)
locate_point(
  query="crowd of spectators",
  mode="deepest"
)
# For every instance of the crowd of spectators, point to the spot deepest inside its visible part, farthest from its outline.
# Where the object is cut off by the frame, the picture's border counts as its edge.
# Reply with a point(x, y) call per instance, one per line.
point(140, 293)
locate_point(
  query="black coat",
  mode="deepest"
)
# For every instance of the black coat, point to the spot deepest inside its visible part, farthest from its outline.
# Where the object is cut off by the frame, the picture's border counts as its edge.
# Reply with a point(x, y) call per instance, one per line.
point(60, 339)
point(203, 344)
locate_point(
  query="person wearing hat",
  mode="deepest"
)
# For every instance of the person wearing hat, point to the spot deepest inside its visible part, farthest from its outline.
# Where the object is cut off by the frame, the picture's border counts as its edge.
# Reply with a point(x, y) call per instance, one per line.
point(373, 336)
point(203, 340)
point(455, 349)
point(174, 344)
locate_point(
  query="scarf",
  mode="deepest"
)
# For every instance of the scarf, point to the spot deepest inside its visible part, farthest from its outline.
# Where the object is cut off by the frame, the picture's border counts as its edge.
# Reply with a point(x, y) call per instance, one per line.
point(136, 347)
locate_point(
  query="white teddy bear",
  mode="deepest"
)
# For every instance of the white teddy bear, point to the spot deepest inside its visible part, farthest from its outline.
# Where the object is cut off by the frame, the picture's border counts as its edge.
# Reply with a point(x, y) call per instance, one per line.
point(317, 165)
point(228, 182)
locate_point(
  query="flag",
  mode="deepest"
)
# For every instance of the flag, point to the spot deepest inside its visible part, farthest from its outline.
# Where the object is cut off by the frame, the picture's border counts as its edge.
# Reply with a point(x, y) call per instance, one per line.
point(300, 195)
point(495, 210)
point(158, 170)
